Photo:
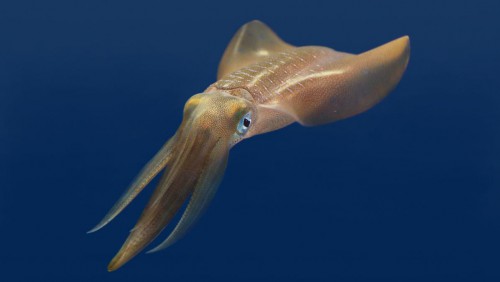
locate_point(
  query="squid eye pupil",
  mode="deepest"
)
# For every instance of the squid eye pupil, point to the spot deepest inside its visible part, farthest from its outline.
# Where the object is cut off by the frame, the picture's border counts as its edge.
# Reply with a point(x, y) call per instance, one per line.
point(244, 123)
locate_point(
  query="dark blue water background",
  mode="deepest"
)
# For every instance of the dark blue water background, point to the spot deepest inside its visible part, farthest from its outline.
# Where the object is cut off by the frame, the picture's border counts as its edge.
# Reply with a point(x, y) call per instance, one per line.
point(408, 191)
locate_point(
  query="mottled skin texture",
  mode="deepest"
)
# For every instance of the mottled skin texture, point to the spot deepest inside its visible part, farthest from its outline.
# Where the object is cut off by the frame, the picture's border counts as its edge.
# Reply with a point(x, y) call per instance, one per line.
point(264, 84)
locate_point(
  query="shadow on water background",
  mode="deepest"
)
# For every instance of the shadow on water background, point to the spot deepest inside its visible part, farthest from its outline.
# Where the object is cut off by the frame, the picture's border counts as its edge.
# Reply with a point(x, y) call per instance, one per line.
point(408, 191)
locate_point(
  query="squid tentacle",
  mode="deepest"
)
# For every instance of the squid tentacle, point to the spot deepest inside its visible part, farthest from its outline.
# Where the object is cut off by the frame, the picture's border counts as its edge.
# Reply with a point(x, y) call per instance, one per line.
point(150, 170)
point(203, 193)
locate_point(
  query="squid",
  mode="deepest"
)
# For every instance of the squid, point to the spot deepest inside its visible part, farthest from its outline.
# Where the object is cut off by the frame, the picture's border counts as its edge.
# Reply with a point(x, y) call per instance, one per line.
point(263, 84)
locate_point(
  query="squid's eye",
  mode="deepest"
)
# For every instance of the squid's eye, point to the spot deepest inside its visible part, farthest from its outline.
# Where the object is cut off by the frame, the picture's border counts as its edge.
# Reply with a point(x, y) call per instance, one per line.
point(244, 123)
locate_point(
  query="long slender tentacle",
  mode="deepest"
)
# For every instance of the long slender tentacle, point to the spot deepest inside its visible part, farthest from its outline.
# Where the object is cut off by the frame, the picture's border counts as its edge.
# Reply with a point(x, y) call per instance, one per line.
point(150, 170)
point(204, 191)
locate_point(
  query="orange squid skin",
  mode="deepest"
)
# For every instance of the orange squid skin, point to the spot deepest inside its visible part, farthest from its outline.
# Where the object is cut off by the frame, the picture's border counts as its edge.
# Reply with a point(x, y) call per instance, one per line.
point(263, 84)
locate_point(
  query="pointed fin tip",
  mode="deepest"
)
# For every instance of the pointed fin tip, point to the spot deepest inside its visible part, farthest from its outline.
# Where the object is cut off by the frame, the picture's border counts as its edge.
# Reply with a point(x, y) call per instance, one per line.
point(403, 43)
point(399, 47)
point(407, 44)
point(399, 44)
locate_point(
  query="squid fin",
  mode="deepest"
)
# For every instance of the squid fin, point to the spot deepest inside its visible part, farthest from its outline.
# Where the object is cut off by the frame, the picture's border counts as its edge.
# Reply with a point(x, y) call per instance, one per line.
point(252, 43)
point(352, 84)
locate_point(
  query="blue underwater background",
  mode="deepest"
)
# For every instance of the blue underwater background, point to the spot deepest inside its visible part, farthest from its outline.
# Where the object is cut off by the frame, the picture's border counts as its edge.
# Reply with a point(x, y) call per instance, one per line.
point(408, 191)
